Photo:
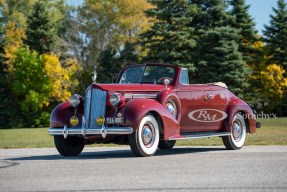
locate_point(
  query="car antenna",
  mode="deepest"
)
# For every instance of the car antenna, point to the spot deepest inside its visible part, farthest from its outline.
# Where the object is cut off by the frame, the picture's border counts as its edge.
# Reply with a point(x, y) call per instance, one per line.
point(142, 73)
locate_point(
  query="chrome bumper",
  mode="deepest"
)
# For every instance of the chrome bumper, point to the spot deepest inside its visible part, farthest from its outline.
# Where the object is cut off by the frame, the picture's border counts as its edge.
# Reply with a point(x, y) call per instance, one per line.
point(90, 131)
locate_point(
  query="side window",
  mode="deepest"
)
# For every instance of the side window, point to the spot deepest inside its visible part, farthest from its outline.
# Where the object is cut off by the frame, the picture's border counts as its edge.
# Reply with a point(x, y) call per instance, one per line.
point(183, 79)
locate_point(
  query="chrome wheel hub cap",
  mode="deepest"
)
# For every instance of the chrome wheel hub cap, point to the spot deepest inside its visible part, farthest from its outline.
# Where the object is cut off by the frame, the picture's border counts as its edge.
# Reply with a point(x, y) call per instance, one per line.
point(237, 131)
point(148, 135)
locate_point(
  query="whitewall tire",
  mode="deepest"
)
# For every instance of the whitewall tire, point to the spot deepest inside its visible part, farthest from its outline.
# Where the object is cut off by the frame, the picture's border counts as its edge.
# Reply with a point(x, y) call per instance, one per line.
point(238, 133)
point(144, 141)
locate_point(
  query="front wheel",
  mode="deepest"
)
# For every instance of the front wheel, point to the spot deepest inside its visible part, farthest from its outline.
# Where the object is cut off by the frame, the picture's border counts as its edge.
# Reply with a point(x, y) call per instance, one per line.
point(238, 133)
point(144, 141)
point(71, 146)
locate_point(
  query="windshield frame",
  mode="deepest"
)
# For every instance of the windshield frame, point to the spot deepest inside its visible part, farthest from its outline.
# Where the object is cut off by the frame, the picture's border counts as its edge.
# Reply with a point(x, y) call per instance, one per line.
point(144, 66)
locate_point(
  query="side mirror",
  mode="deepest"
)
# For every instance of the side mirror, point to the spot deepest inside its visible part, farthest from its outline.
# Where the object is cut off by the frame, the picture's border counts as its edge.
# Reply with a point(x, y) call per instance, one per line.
point(166, 82)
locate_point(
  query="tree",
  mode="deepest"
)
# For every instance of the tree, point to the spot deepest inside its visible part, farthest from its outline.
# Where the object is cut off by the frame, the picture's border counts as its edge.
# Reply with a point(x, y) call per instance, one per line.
point(15, 11)
point(171, 38)
point(247, 33)
point(38, 83)
point(276, 34)
point(112, 61)
point(102, 26)
point(40, 31)
point(28, 85)
point(217, 55)
point(274, 86)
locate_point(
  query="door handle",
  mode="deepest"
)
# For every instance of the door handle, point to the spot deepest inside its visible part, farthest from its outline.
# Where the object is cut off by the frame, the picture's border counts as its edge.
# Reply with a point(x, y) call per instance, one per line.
point(208, 96)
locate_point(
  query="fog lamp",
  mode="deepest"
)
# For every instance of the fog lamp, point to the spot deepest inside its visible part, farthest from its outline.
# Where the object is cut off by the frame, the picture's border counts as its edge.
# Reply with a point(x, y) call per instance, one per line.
point(100, 120)
point(74, 121)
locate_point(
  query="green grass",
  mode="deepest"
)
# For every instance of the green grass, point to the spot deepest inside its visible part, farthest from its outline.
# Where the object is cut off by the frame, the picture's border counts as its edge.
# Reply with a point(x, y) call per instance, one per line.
point(25, 138)
point(273, 132)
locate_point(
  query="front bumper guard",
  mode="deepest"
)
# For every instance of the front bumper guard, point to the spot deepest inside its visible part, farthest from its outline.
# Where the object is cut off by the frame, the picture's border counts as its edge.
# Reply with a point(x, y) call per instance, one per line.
point(90, 131)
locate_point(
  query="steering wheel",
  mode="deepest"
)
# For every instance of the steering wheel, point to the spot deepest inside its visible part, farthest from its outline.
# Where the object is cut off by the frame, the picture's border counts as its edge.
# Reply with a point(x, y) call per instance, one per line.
point(163, 78)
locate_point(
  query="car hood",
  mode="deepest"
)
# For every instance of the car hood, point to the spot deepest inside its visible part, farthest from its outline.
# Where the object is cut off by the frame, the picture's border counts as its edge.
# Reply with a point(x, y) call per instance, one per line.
point(129, 87)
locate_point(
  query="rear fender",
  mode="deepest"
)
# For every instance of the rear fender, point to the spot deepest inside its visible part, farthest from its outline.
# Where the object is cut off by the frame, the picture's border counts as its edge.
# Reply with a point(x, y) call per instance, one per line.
point(237, 105)
point(136, 109)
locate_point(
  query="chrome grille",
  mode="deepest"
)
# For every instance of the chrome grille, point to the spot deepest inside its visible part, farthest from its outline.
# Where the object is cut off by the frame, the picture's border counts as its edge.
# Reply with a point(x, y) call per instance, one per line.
point(95, 105)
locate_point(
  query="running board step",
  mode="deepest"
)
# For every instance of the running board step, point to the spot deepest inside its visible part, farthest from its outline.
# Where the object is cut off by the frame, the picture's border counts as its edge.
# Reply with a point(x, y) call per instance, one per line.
point(199, 135)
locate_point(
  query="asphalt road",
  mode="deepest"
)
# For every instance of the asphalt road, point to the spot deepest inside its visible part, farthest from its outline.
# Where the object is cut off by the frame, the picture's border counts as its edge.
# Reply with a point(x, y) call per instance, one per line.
point(260, 168)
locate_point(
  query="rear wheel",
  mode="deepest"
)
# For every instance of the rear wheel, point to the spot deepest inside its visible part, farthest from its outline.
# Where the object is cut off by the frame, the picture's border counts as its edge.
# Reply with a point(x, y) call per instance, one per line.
point(163, 144)
point(71, 146)
point(238, 133)
point(144, 141)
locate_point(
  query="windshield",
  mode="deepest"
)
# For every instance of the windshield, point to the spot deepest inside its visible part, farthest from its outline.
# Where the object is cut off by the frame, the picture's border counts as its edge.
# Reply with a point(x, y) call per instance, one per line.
point(153, 74)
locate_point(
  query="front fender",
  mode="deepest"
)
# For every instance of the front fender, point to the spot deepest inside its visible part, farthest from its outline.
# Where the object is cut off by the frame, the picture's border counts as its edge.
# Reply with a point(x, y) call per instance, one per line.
point(61, 115)
point(166, 95)
point(237, 105)
point(136, 109)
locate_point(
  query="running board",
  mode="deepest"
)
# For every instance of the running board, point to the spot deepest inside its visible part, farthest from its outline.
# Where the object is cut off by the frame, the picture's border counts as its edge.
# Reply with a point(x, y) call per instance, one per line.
point(199, 135)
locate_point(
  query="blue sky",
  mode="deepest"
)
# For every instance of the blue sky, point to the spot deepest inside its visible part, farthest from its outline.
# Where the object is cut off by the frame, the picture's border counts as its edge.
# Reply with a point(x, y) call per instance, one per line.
point(260, 10)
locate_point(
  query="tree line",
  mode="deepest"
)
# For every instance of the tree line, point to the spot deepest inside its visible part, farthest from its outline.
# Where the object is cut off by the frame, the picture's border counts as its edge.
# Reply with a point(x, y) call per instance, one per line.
point(50, 50)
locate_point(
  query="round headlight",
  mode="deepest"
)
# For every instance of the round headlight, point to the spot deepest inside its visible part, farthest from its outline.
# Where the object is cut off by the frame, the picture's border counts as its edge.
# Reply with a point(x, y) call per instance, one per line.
point(75, 100)
point(115, 100)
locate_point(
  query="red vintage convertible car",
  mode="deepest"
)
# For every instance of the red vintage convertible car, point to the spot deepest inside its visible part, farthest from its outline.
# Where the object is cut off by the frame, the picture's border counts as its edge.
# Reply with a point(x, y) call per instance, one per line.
point(150, 107)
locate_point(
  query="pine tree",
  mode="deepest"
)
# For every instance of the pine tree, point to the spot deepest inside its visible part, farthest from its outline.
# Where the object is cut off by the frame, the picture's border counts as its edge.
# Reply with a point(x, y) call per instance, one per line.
point(217, 55)
point(244, 22)
point(112, 61)
point(276, 35)
point(40, 32)
point(171, 39)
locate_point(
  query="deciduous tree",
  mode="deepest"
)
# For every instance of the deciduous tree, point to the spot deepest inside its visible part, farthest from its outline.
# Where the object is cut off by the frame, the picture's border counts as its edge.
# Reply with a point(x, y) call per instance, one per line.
point(274, 86)
point(102, 26)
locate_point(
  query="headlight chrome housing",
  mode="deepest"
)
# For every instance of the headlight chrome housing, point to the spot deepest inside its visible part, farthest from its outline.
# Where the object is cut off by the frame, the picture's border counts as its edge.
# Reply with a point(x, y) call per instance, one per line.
point(75, 100)
point(115, 100)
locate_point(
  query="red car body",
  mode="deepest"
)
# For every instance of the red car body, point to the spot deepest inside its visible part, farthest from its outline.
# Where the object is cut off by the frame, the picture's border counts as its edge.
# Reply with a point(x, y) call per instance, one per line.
point(177, 109)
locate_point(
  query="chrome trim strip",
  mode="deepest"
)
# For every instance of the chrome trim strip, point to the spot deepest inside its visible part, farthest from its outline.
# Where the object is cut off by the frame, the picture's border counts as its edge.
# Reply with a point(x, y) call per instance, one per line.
point(199, 135)
point(91, 131)
point(140, 95)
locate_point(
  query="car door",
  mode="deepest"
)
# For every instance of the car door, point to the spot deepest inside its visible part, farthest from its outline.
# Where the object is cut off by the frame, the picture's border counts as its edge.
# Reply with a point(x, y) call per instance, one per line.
point(202, 108)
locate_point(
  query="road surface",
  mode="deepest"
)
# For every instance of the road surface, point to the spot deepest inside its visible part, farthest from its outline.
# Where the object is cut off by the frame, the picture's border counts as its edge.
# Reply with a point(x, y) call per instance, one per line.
point(253, 168)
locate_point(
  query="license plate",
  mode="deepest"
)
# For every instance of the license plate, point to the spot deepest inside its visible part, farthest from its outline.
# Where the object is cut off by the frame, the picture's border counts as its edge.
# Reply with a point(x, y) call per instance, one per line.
point(114, 120)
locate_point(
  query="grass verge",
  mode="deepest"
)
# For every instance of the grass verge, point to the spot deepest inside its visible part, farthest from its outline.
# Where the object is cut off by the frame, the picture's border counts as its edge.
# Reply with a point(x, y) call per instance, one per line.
point(273, 132)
